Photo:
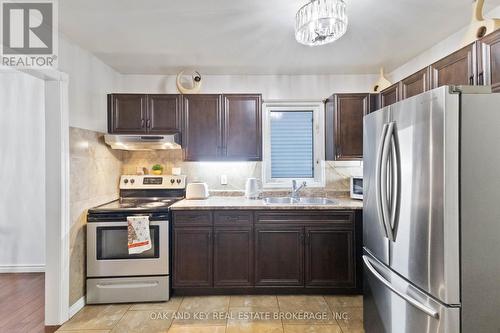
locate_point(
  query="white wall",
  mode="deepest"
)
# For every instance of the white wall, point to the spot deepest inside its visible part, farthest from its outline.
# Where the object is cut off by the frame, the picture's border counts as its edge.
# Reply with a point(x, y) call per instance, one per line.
point(90, 80)
point(310, 87)
point(22, 171)
point(438, 51)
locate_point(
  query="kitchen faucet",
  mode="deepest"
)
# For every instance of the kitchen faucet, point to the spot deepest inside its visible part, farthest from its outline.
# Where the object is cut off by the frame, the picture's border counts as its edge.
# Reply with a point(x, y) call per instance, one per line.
point(295, 189)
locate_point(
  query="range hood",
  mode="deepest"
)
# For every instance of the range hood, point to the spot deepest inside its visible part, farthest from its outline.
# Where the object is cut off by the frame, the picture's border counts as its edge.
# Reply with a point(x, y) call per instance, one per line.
point(143, 142)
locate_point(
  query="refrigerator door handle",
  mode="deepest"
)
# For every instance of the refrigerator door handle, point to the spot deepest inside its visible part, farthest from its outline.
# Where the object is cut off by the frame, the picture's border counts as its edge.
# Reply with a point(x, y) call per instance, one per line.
point(378, 181)
point(384, 181)
point(395, 184)
point(422, 307)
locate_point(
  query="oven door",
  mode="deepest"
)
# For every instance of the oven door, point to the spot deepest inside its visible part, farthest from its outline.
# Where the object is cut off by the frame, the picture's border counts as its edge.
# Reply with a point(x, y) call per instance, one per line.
point(107, 251)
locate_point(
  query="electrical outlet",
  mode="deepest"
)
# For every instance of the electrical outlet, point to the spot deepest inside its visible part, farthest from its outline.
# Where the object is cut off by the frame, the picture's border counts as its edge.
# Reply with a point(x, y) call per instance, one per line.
point(223, 179)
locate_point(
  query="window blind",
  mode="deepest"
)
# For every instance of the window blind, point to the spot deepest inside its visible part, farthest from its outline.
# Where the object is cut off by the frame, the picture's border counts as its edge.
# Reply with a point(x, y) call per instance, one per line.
point(292, 144)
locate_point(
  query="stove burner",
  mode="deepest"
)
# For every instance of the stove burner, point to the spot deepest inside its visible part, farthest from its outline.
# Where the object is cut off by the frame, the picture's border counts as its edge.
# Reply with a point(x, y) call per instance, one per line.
point(167, 201)
point(154, 204)
point(126, 205)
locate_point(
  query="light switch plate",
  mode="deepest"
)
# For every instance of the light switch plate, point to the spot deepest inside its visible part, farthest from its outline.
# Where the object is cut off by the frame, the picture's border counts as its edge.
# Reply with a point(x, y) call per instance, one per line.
point(223, 179)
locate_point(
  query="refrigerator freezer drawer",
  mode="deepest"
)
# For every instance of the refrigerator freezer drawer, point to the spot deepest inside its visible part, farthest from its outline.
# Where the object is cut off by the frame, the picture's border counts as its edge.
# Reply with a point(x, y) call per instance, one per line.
point(392, 305)
point(128, 289)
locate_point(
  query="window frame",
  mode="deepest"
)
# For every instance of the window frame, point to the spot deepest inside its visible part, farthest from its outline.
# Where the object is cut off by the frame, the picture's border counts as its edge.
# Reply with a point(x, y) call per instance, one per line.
point(318, 109)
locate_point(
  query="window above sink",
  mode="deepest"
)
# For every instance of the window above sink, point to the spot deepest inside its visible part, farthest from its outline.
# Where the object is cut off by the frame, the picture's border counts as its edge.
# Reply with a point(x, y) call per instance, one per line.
point(293, 137)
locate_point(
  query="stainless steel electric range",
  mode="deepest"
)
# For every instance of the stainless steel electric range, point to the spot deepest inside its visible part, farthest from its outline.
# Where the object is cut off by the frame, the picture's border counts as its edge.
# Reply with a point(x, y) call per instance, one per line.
point(114, 275)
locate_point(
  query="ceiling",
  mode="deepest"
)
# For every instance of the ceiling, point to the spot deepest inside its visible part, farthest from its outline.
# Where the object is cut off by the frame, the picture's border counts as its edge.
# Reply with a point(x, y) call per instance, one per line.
point(255, 36)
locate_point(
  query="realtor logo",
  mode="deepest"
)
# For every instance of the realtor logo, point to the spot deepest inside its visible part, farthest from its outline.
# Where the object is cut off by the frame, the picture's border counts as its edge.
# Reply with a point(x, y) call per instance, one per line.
point(29, 33)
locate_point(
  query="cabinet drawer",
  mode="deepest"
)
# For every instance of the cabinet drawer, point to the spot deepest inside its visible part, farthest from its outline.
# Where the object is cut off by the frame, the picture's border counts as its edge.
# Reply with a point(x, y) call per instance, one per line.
point(189, 218)
point(304, 217)
point(233, 218)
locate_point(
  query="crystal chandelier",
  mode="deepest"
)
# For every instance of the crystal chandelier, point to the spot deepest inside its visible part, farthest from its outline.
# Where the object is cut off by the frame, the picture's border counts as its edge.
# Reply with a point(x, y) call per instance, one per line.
point(320, 22)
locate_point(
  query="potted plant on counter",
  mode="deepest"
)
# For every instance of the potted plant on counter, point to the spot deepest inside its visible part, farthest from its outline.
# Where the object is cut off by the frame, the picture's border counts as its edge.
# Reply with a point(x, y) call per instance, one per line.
point(157, 169)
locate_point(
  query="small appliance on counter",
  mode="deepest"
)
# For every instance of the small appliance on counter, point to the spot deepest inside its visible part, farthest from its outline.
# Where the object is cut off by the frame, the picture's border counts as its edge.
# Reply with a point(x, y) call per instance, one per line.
point(197, 191)
point(356, 187)
point(114, 275)
point(252, 190)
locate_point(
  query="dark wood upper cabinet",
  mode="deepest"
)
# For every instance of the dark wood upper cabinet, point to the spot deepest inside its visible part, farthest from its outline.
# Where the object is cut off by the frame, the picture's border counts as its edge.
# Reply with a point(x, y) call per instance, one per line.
point(222, 127)
point(489, 61)
point(455, 69)
point(333, 246)
point(242, 127)
point(127, 113)
point(202, 131)
point(233, 256)
point(144, 114)
point(344, 126)
point(193, 253)
point(279, 255)
point(415, 84)
point(164, 113)
point(390, 95)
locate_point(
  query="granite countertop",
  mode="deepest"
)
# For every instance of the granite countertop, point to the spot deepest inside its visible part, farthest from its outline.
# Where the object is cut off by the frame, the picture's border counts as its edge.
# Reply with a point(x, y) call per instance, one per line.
point(240, 202)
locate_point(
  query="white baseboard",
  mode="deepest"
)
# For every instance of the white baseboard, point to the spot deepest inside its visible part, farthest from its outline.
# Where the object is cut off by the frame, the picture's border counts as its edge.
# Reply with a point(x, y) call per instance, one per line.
point(22, 268)
point(77, 306)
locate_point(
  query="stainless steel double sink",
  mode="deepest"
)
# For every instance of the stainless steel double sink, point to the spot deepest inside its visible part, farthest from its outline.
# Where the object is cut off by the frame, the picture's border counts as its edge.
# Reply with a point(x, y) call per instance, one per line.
point(298, 201)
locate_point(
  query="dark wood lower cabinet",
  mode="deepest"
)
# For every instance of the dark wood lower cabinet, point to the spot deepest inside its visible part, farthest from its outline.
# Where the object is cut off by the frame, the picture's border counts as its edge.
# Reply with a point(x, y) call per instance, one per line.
point(330, 258)
point(233, 256)
point(279, 256)
point(193, 257)
point(255, 252)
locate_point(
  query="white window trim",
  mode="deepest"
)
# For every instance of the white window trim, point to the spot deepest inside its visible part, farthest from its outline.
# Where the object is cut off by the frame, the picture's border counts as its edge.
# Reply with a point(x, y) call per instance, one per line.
point(318, 142)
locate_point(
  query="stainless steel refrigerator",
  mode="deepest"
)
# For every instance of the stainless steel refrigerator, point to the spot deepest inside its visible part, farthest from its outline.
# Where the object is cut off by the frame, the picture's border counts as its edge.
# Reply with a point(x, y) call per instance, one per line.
point(431, 218)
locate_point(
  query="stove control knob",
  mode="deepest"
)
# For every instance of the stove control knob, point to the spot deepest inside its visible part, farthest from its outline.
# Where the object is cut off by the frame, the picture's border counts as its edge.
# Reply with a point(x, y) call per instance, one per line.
point(125, 180)
point(178, 181)
point(132, 181)
point(172, 181)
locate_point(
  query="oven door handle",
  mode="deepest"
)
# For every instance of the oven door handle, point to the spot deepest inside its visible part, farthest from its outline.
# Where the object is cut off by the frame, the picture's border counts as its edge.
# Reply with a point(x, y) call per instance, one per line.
point(119, 285)
point(119, 224)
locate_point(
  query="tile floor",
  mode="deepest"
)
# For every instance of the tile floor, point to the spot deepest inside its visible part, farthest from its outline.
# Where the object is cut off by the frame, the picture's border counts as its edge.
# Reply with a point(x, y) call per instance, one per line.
point(225, 314)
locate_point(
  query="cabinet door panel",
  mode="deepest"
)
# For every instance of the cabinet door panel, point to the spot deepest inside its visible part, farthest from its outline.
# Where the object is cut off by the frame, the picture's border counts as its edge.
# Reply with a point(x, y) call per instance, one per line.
point(202, 131)
point(455, 69)
point(489, 61)
point(242, 127)
point(344, 126)
point(192, 218)
point(330, 258)
point(233, 218)
point(415, 84)
point(233, 257)
point(127, 113)
point(164, 113)
point(279, 253)
point(192, 257)
point(390, 95)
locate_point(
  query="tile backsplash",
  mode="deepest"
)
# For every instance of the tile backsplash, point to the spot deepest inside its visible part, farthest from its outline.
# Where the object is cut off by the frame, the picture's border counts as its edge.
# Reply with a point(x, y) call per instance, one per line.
point(337, 173)
point(94, 175)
